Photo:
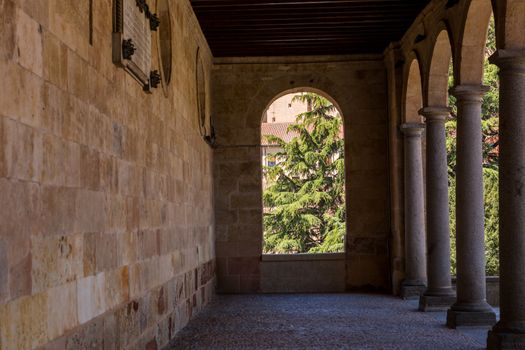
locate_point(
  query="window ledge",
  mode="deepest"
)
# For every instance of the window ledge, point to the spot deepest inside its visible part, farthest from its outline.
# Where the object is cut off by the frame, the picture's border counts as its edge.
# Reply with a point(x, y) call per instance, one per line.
point(303, 257)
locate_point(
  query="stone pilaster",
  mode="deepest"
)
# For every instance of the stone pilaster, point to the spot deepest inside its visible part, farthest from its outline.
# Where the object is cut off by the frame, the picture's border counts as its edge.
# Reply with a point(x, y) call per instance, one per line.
point(415, 260)
point(509, 332)
point(471, 308)
point(439, 294)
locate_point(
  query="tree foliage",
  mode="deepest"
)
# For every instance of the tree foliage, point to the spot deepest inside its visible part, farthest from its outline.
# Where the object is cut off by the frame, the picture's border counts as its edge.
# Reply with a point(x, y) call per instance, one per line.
point(305, 200)
point(490, 129)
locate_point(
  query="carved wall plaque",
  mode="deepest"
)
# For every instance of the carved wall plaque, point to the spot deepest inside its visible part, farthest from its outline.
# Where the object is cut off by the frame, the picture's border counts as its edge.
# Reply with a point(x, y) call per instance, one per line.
point(133, 23)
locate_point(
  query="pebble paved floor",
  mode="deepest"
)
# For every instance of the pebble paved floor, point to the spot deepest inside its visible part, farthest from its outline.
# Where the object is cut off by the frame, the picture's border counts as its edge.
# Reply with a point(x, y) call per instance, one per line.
point(321, 321)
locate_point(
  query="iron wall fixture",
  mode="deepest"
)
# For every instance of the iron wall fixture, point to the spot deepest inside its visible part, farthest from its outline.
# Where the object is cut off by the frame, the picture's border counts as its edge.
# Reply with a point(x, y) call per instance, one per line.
point(128, 48)
point(154, 22)
point(154, 79)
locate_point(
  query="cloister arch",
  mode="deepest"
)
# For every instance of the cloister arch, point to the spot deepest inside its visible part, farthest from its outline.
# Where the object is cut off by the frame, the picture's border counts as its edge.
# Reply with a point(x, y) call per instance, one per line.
point(413, 96)
point(306, 89)
point(468, 90)
point(437, 86)
point(472, 43)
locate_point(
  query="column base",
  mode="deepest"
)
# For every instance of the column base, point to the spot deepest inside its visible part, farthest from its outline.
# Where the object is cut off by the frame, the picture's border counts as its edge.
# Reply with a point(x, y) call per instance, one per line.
point(412, 291)
point(457, 318)
point(429, 303)
point(499, 340)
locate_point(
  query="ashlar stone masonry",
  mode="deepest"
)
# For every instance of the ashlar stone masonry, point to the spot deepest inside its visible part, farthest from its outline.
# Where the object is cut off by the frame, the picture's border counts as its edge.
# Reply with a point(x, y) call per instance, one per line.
point(106, 235)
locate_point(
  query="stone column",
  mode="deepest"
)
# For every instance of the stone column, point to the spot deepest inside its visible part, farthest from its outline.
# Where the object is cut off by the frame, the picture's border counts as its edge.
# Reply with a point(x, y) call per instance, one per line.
point(509, 332)
point(471, 308)
point(415, 261)
point(439, 294)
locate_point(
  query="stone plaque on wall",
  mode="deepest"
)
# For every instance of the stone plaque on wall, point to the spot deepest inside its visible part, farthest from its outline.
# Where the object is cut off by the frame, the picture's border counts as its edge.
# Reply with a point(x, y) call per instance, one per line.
point(132, 26)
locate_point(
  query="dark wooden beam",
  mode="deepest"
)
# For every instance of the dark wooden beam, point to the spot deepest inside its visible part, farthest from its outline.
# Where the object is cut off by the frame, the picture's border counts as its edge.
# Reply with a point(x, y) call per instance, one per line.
point(285, 27)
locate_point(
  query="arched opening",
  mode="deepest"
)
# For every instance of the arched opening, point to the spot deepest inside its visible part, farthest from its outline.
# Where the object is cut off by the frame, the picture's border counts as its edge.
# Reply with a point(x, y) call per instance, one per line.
point(440, 70)
point(473, 43)
point(413, 94)
point(302, 154)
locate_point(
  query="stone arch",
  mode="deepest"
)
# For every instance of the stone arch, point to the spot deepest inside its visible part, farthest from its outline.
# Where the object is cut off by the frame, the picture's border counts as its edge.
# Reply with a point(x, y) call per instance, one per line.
point(472, 43)
point(437, 85)
point(413, 93)
point(339, 111)
point(305, 89)
point(271, 90)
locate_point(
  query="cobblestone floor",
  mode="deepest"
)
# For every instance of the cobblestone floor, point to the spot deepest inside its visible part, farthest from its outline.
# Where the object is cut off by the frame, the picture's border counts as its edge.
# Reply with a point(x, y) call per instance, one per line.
point(321, 321)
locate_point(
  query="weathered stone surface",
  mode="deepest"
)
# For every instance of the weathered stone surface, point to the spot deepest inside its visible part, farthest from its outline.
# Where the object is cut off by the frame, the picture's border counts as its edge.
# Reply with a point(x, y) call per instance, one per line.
point(55, 260)
point(89, 337)
point(435, 303)
point(61, 309)
point(22, 151)
point(23, 322)
point(58, 211)
point(8, 25)
point(20, 277)
point(28, 51)
point(470, 319)
point(28, 106)
point(4, 268)
point(285, 274)
point(408, 291)
point(243, 266)
point(91, 299)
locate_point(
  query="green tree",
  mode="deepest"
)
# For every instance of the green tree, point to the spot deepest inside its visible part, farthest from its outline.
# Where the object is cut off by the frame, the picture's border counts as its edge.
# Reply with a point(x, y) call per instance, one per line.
point(490, 129)
point(305, 200)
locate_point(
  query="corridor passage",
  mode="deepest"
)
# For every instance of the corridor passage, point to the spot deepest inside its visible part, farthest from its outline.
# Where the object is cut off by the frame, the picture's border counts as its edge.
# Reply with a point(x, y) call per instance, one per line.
point(321, 321)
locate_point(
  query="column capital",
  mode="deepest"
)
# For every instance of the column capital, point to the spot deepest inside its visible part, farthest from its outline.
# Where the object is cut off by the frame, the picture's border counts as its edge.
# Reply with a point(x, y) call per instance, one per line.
point(467, 92)
point(412, 129)
point(435, 113)
point(509, 60)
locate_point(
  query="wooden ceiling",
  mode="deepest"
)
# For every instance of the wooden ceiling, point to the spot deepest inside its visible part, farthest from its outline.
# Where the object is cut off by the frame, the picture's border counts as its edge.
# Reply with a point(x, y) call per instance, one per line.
point(303, 27)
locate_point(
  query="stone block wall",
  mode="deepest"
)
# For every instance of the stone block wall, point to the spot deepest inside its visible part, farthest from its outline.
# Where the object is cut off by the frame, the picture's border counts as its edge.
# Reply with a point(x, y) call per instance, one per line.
point(106, 219)
point(242, 89)
point(284, 273)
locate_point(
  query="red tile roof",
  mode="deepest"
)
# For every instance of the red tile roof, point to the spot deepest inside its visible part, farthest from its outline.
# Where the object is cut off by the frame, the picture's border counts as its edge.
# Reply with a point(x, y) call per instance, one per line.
point(281, 130)
point(277, 129)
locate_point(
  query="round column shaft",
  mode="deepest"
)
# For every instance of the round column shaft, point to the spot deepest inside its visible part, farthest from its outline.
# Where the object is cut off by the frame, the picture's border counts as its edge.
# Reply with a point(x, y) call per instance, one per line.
point(509, 332)
point(415, 260)
point(471, 308)
point(439, 294)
